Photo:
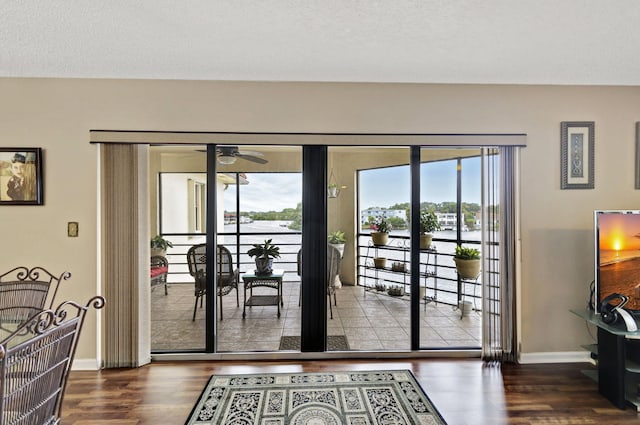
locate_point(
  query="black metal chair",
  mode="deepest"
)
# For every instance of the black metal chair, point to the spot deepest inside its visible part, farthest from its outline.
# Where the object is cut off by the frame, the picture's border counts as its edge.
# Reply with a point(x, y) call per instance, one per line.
point(333, 268)
point(25, 292)
point(227, 276)
point(35, 360)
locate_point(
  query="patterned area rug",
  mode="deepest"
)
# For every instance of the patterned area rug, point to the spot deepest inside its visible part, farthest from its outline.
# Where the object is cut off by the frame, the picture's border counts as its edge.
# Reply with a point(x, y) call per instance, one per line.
point(334, 343)
point(329, 398)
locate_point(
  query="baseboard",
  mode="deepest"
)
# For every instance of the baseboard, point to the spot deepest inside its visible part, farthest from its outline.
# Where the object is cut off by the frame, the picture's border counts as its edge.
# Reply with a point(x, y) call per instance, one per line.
point(85, 364)
point(556, 357)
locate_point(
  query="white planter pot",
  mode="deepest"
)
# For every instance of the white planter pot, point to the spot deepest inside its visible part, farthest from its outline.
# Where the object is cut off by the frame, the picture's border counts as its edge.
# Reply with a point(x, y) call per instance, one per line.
point(332, 192)
point(264, 266)
point(339, 247)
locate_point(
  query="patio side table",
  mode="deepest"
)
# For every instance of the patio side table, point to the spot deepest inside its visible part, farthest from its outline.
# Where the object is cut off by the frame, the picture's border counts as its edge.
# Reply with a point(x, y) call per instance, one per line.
point(273, 280)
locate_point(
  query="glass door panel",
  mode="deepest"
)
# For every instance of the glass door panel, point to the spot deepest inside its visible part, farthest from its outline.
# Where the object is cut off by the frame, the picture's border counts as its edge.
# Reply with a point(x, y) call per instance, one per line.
point(378, 316)
point(178, 186)
point(449, 189)
point(264, 205)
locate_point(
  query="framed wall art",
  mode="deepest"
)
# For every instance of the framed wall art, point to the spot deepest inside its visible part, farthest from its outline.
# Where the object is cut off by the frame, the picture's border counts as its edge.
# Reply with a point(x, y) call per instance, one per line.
point(577, 142)
point(21, 176)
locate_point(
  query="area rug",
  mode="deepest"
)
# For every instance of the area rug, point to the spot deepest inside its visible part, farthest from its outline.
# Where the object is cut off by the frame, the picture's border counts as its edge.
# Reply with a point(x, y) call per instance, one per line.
point(327, 398)
point(334, 343)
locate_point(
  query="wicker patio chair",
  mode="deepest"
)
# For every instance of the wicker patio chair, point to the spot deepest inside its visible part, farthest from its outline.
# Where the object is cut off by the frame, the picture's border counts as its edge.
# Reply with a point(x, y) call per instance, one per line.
point(25, 292)
point(159, 271)
point(333, 268)
point(227, 276)
point(35, 361)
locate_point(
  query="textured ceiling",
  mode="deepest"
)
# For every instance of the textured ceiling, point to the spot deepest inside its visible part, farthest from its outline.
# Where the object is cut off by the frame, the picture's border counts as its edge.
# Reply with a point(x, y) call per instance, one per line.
point(436, 41)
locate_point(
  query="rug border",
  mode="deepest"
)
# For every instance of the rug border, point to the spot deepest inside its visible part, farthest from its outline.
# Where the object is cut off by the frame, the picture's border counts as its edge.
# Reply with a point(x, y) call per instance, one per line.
point(435, 410)
point(197, 403)
point(426, 394)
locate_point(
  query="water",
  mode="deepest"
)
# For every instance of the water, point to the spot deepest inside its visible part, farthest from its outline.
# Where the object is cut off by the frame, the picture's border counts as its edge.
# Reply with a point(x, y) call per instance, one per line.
point(289, 244)
point(611, 256)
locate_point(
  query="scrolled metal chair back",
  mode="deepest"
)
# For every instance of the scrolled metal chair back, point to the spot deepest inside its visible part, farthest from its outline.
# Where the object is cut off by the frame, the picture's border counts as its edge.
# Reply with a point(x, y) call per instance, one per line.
point(35, 361)
point(25, 292)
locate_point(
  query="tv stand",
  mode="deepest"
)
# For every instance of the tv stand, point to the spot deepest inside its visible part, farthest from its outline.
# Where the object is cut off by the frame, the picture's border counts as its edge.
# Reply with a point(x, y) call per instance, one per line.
point(617, 355)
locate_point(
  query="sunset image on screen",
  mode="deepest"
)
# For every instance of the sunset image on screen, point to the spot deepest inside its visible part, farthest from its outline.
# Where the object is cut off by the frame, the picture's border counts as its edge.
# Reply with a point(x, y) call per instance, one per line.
point(619, 256)
point(619, 235)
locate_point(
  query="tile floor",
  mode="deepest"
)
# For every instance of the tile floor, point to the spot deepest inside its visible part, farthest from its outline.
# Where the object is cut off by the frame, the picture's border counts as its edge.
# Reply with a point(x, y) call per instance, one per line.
point(370, 321)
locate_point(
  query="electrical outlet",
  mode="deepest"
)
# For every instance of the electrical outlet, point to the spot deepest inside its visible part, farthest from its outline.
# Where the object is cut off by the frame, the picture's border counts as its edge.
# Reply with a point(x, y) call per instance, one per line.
point(72, 229)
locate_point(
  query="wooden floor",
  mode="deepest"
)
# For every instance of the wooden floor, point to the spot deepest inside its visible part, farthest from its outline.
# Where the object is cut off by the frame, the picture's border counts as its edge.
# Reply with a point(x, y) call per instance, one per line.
point(465, 391)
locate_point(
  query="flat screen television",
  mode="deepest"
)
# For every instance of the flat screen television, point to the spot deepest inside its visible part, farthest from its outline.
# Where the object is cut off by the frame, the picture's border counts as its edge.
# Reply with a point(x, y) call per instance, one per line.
point(617, 256)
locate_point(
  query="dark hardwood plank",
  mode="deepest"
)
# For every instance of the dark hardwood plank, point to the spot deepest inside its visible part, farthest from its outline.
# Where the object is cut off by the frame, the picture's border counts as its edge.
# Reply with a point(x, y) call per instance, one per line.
point(465, 391)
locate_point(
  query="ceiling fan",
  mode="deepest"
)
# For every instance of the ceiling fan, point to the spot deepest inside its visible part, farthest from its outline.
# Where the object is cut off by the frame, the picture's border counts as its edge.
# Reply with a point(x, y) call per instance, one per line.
point(228, 154)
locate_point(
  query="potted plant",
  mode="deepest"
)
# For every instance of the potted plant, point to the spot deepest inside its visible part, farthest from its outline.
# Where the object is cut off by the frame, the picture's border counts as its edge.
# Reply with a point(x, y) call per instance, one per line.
point(333, 190)
point(395, 291)
point(467, 262)
point(159, 246)
point(379, 262)
point(381, 228)
point(264, 253)
point(428, 225)
point(338, 240)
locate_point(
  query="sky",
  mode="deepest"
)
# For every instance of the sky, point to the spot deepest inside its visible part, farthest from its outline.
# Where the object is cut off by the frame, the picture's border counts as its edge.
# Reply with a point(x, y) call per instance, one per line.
point(388, 186)
point(618, 231)
point(267, 192)
point(381, 187)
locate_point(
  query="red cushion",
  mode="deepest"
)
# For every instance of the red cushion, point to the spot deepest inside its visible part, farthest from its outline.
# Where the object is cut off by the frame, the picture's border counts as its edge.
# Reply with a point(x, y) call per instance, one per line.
point(156, 271)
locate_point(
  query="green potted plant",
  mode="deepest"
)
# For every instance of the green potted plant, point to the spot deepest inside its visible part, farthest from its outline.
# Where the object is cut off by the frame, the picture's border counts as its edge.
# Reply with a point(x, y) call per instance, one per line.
point(338, 240)
point(381, 228)
point(333, 190)
point(428, 224)
point(159, 246)
point(264, 253)
point(467, 262)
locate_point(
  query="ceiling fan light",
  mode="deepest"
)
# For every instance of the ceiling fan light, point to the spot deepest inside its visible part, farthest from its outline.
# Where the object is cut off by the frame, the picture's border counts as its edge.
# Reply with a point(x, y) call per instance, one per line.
point(226, 159)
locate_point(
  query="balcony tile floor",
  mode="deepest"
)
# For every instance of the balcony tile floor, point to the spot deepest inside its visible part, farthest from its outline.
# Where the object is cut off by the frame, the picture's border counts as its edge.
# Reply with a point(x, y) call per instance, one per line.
point(370, 321)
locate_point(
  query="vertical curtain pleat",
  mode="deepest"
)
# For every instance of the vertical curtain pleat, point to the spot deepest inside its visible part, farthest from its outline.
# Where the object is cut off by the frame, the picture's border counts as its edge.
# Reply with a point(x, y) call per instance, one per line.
point(119, 165)
point(498, 241)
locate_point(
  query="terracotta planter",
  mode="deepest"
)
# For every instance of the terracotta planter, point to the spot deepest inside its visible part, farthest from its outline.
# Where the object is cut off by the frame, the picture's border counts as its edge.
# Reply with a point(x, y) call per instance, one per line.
point(425, 240)
point(379, 262)
point(379, 238)
point(467, 269)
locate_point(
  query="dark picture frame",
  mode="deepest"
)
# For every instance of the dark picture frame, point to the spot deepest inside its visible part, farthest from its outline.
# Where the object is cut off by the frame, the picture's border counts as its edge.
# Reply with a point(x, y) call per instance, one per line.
point(577, 143)
point(21, 176)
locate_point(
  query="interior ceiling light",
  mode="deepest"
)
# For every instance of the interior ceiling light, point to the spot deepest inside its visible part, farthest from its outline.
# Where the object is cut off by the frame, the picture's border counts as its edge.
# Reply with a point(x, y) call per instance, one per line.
point(226, 159)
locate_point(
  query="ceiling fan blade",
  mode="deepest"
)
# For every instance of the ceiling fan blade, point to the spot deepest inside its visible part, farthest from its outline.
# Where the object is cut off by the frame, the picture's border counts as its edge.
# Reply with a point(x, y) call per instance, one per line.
point(252, 153)
point(251, 158)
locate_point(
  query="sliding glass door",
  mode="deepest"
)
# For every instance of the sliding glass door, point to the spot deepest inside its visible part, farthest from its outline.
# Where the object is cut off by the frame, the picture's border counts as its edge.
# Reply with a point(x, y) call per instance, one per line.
point(313, 202)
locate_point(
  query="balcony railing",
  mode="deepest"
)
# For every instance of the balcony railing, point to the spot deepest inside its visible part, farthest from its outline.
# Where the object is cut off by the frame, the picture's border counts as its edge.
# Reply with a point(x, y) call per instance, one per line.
point(238, 245)
point(437, 270)
point(438, 276)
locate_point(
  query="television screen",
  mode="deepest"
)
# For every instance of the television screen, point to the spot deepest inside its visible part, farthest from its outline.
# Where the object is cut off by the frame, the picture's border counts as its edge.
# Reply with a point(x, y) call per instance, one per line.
point(617, 237)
